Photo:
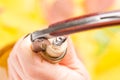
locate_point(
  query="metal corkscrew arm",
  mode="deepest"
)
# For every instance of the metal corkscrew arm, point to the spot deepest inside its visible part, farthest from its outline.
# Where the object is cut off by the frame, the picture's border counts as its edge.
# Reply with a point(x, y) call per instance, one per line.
point(82, 23)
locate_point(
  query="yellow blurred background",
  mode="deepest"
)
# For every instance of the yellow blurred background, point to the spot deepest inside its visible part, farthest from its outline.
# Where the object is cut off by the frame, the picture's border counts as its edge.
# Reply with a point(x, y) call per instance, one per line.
point(98, 49)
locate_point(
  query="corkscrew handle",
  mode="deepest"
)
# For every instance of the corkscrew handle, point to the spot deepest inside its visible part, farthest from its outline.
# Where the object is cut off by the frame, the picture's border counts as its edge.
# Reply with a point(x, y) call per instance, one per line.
point(78, 24)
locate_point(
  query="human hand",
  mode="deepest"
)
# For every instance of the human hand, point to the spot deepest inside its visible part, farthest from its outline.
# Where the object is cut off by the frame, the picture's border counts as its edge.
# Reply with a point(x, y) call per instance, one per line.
point(24, 64)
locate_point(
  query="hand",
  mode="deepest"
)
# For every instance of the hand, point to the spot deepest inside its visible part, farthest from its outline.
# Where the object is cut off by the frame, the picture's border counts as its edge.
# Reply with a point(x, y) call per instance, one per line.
point(24, 64)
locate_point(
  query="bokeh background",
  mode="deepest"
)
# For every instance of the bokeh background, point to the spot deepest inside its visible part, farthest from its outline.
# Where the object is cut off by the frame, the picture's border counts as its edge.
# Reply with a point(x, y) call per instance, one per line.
point(98, 49)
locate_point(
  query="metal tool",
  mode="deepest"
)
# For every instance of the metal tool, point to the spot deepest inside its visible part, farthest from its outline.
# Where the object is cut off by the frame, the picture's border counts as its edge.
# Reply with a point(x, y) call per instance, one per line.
point(53, 52)
point(82, 23)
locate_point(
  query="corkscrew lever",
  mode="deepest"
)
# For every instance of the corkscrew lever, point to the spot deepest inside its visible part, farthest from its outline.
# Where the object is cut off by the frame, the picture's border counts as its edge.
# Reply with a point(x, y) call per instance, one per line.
point(78, 24)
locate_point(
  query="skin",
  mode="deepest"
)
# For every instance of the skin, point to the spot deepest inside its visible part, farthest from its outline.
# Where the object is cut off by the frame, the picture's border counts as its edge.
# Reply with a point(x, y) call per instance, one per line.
point(24, 64)
point(93, 6)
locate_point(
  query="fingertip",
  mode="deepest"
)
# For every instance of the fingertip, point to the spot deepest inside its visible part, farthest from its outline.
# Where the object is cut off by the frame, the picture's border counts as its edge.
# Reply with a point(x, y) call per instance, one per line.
point(71, 56)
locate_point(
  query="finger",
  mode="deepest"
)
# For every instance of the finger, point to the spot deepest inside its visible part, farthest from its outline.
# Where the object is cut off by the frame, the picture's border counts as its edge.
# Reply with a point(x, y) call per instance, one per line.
point(71, 55)
point(12, 73)
point(72, 61)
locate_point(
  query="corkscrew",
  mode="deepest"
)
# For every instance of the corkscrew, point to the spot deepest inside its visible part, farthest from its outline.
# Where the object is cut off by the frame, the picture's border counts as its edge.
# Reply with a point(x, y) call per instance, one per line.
point(55, 51)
